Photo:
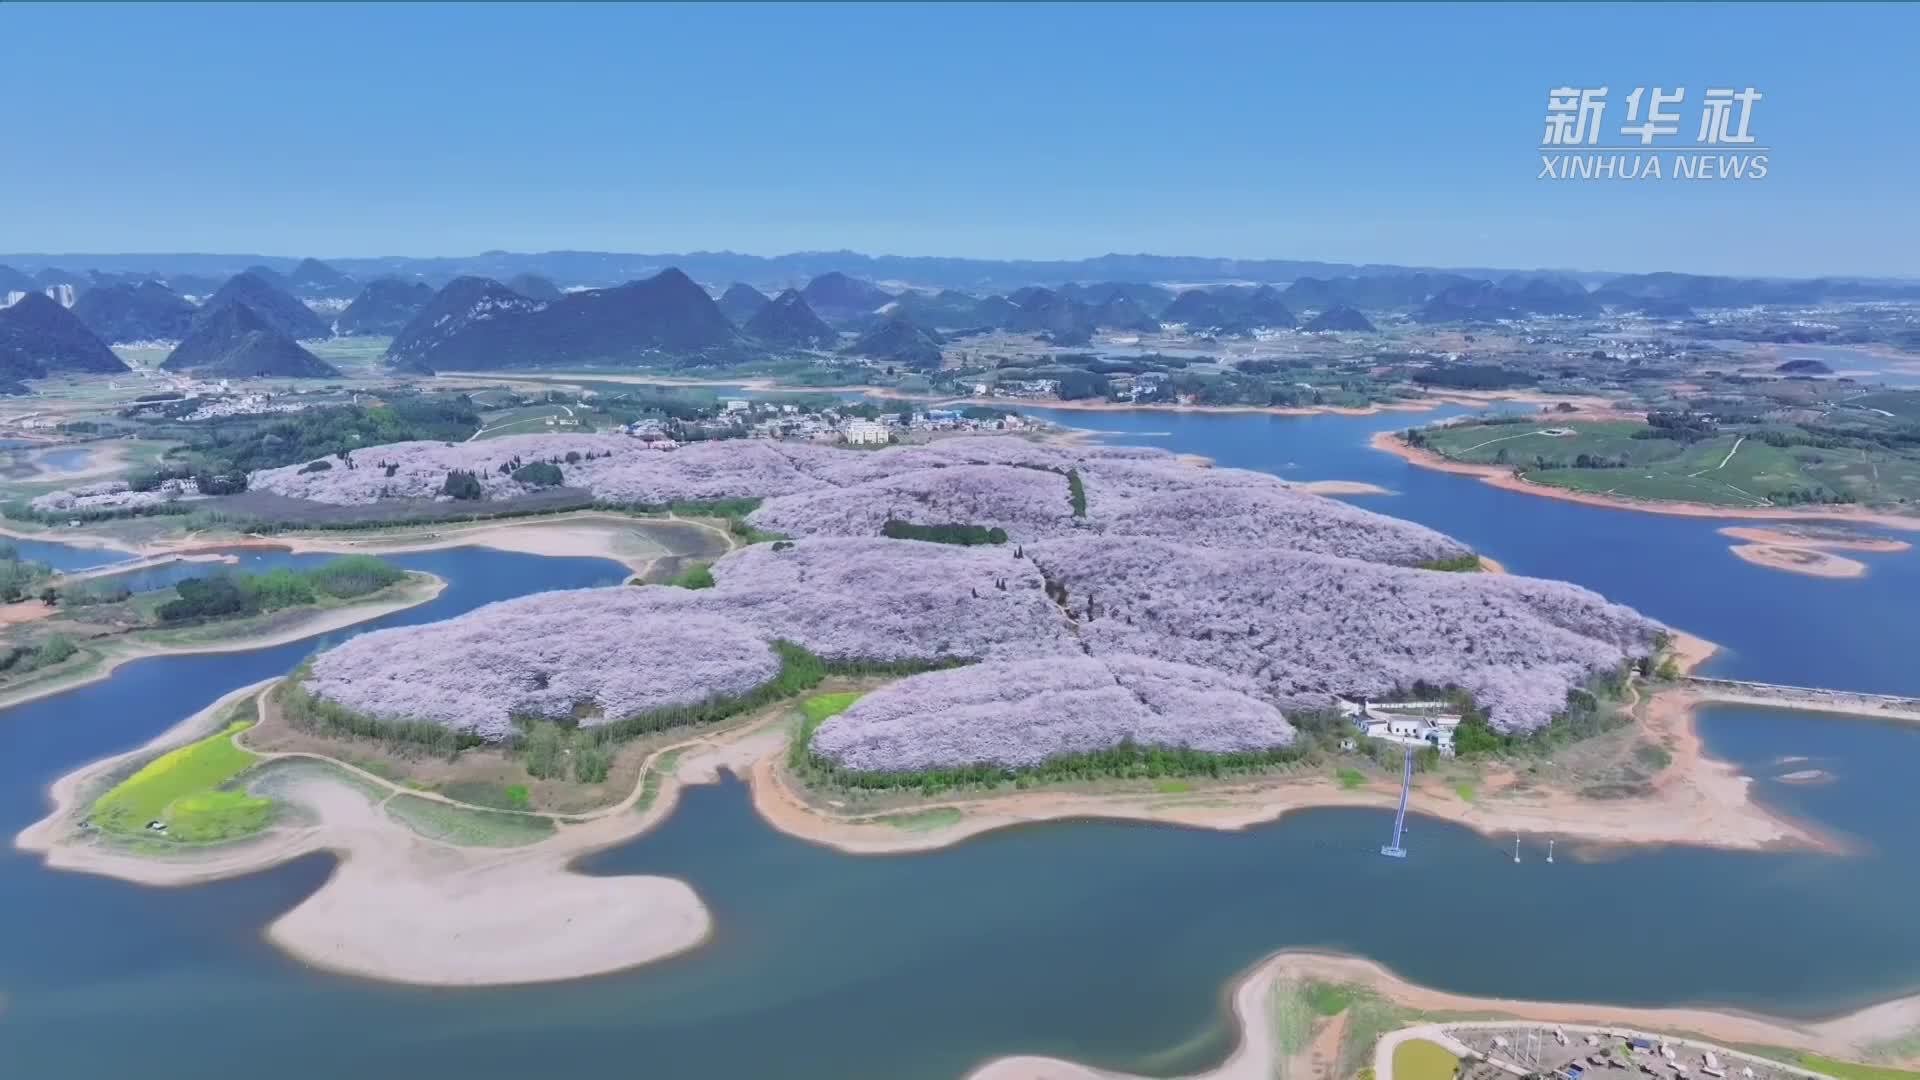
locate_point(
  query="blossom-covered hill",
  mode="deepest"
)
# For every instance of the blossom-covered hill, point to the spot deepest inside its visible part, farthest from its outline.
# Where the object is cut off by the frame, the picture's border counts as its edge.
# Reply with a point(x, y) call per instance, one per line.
point(1020, 713)
point(1170, 604)
point(815, 490)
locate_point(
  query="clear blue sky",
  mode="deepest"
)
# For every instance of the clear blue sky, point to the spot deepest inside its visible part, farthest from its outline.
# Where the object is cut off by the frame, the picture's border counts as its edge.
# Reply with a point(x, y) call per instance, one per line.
point(1369, 133)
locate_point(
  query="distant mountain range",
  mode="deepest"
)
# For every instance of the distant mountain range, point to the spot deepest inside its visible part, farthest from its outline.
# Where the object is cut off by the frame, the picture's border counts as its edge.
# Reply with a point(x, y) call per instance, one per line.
point(277, 308)
point(844, 300)
point(598, 268)
point(148, 311)
point(741, 302)
point(1230, 310)
point(314, 279)
point(385, 306)
point(1340, 317)
point(478, 324)
point(534, 287)
point(897, 341)
point(788, 320)
point(464, 302)
point(1309, 285)
point(236, 342)
point(38, 337)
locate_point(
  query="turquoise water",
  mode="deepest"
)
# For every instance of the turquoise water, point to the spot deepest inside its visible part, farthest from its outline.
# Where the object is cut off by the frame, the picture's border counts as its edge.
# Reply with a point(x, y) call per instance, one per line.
point(1104, 941)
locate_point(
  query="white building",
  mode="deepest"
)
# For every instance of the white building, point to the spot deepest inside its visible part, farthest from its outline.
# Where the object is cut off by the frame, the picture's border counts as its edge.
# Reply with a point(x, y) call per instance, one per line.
point(736, 405)
point(866, 433)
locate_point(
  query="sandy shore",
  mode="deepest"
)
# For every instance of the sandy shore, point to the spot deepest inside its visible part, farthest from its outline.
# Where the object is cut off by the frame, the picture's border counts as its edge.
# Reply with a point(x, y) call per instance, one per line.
point(1256, 1056)
point(586, 534)
point(409, 909)
point(579, 534)
point(1695, 801)
point(118, 651)
point(1798, 560)
point(1807, 550)
point(404, 908)
point(1502, 477)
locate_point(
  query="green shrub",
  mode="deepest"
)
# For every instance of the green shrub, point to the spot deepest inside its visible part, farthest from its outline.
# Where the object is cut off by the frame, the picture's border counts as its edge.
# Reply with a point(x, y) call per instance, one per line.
point(590, 762)
point(354, 575)
point(1467, 564)
point(539, 474)
point(463, 486)
point(542, 748)
point(696, 575)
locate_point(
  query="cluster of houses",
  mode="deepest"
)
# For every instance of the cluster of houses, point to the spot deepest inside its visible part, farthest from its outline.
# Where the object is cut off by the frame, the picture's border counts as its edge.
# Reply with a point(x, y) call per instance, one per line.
point(1408, 723)
point(1145, 386)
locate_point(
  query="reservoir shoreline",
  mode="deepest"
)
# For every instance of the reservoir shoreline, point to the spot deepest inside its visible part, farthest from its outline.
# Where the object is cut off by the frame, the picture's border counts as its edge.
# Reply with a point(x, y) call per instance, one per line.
point(1502, 477)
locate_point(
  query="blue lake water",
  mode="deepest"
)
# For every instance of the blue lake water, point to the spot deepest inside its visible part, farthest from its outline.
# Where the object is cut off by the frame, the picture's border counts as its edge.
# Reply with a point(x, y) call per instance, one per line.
point(63, 556)
point(1774, 626)
point(1879, 368)
point(66, 458)
point(1098, 940)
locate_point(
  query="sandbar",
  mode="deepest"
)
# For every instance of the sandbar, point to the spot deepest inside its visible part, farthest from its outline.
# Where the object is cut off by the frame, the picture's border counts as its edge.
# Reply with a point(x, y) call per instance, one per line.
point(1815, 537)
point(1342, 487)
point(1800, 560)
point(401, 907)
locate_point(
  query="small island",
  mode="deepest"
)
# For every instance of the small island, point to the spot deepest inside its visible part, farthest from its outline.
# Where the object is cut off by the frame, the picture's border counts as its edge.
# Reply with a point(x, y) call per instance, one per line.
point(78, 627)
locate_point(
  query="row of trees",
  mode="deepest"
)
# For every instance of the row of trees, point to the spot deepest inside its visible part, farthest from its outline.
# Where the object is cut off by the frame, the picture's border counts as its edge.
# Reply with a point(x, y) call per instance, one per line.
point(950, 533)
point(1126, 761)
point(220, 453)
point(21, 659)
point(20, 577)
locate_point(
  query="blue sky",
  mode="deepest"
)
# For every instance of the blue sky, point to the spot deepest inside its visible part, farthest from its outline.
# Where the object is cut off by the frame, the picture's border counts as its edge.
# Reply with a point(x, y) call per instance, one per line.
point(1368, 133)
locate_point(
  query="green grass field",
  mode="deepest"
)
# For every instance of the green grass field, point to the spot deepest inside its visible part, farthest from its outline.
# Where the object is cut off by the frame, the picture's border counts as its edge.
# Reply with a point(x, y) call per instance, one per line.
point(1853, 1070)
point(1727, 470)
point(469, 828)
point(1350, 778)
point(184, 788)
point(820, 706)
point(1328, 999)
point(357, 356)
point(938, 817)
point(1418, 1059)
point(532, 420)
